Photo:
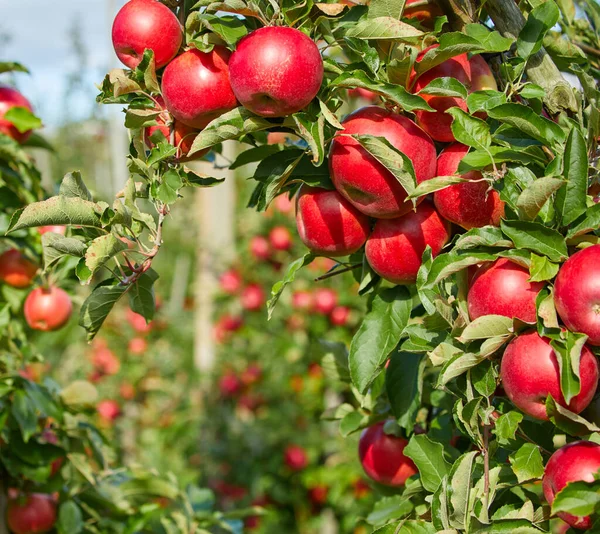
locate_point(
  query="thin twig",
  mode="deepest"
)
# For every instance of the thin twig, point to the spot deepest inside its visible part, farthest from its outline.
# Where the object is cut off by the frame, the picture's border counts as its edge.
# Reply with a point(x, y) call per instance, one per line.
point(588, 49)
point(338, 271)
point(486, 469)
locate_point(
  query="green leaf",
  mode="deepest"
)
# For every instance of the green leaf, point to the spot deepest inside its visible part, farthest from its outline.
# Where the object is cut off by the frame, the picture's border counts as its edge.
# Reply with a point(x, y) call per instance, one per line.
point(412, 526)
point(531, 90)
point(329, 116)
point(79, 394)
point(350, 423)
point(459, 364)
point(170, 184)
point(391, 158)
point(571, 198)
point(527, 463)
point(56, 246)
point(140, 118)
point(229, 28)
point(567, 421)
point(428, 456)
point(469, 130)
point(379, 333)
point(537, 238)
point(487, 236)
point(435, 184)
point(487, 326)
point(445, 265)
point(230, 125)
point(141, 295)
point(539, 21)
point(289, 277)
point(404, 385)
point(484, 100)
point(70, 518)
point(101, 250)
point(387, 509)
point(313, 133)
point(386, 8)
point(589, 223)
point(506, 427)
point(384, 28)
point(578, 498)
point(12, 66)
point(535, 195)
point(484, 377)
point(253, 155)
point(445, 86)
point(98, 305)
point(22, 119)
point(23, 410)
point(460, 483)
point(542, 269)
point(567, 350)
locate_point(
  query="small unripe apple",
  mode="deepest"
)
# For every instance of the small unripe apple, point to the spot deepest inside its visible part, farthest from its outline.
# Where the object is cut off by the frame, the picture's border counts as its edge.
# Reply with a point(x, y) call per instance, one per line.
point(325, 300)
point(382, 457)
point(469, 204)
point(395, 248)
point(253, 297)
point(47, 308)
point(577, 293)
point(16, 270)
point(33, 513)
point(329, 224)
point(339, 315)
point(503, 288)
point(196, 88)
point(276, 71)
point(573, 462)
point(280, 238)
point(295, 457)
point(365, 182)
point(260, 248)
point(11, 98)
point(146, 24)
point(230, 281)
point(108, 410)
point(530, 372)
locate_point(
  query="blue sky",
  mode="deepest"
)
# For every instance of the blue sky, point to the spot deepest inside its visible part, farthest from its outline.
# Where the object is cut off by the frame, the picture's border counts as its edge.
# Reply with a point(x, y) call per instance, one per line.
point(39, 33)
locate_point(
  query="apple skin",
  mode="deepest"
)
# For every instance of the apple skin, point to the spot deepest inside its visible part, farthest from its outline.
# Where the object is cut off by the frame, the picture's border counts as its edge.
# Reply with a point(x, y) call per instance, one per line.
point(230, 282)
point(328, 224)
point(424, 14)
point(577, 293)
point(325, 300)
point(260, 248)
point(280, 238)
point(196, 88)
point(395, 248)
point(502, 288)
point(276, 71)
point(365, 94)
point(16, 270)
point(470, 205)
point(47, 309)
point(573, 462)
point(105, 361)
point(339, 315)
point(295, 458)
point(362, 180)
point(382, 457)
point(302, 300)
point(57, 229)
point(253, 297)
point(108, 410)
point(138, 323)
point(10, 98)
point(31, 514)
point(481, 75)
point(142, 24)
point(229, 385)
point(530, 372)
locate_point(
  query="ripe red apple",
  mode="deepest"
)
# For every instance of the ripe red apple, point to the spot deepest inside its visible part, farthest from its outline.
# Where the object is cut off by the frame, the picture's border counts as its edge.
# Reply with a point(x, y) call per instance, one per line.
point(295, 457)
point(395, 248)
point(318, 494)
point(229, 385)
point(138, 323)
point(260, 248)
point(283, 204)
point(469, 204)
point(62, 230)
point(530, 372)
point(577, 293)
point(146, 24)
point(365, 182)
point(302, 300)
point(230, 281)
point(253, 297)
point(474, 74)
point(16, 270)
point(276, 71)
point(196, 88)
point(47, 308)
point(280, 238)
point(325, 300)
point(11, 98)
point(137, 346)
point(424, 14)
point(328, 224)
point(503, 288)
point(382, 457)
point(108, 410)
point(361, 488)
point(30, 514)
point(359, 92)
point(231, 323)
point(252, 374)
point(105, 361)
point(573, 462)
point(339, 315)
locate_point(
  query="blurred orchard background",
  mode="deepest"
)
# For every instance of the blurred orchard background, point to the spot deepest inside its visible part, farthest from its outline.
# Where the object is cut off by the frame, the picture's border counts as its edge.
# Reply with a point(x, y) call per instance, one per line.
point(243, 414)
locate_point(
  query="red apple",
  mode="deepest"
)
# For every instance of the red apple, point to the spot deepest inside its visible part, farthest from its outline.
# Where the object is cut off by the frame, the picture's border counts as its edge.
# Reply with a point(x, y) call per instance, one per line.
point(253, 297)
point(283, 204)
point(365, 182)
point(146, 24)
point(577, 293)
point(295, 457)
point(196, 87)
point(16, 270)
point(108, 410)
point(361, 489)
point(62, 230)
point(339, 315)
point(530, 372)
point(328, 224)
point(395, 248)
point(571, 463)
point(31, 514)
point(318, 494)
point(302, 300)
point(276, 71)
point(230, 281)
point(469, 204)
point(325, 300)
point(252, 374)
point(47, 308)
point(106, 362)
point(503, 288)
point(424, 14)
point(137, 346)
point(231, 323)
point(482, 78)
point(280, 238)
point(138, 323)
point(11, 98)
point(260, 248)
point(359, 92)
point(229, 385)
point(382, 457)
